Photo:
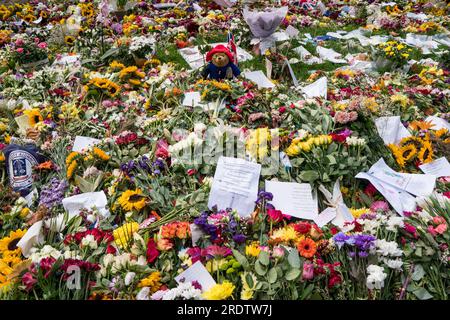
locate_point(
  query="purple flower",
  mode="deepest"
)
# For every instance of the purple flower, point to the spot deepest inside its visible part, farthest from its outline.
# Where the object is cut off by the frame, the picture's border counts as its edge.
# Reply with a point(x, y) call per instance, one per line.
point(340, 239)
point(53, 193)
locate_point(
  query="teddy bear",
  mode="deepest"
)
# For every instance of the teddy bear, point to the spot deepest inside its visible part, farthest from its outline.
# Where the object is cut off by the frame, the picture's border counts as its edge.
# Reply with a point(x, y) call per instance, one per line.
point(220, 65)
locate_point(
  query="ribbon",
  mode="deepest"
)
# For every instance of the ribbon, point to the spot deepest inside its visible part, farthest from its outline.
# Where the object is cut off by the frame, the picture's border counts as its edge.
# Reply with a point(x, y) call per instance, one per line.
point(336, 202)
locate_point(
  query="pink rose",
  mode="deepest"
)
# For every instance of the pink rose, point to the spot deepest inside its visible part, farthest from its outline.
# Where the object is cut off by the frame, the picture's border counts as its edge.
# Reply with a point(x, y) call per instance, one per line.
point(438, 220)
point(19, 50)
point(42, 45)
point(441, 228)
point(431, 231)
point(19, 42)
point(308, 271)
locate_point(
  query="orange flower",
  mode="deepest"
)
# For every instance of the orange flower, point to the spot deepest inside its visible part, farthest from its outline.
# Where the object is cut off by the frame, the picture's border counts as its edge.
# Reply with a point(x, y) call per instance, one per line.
point(307, 248)
point(47, 165)
point(164, 244)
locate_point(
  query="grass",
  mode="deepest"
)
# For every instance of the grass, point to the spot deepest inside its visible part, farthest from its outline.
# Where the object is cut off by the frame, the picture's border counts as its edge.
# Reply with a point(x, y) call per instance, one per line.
point(169, 52)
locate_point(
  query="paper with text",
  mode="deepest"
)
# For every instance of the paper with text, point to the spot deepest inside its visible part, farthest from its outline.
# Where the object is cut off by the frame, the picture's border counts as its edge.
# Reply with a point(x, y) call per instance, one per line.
point(235, 185)
point(197, 272)
point(293, 199)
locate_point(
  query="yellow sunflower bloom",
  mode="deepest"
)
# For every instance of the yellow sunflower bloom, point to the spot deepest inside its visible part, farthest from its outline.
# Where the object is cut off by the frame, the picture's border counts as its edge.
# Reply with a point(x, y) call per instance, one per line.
point(132, 200)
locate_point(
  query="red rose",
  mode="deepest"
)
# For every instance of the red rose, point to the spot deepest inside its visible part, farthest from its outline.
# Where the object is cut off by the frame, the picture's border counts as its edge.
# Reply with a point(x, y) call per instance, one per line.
point(152, 252)
point(110, 249)
point(302, 227)
point(191, 172)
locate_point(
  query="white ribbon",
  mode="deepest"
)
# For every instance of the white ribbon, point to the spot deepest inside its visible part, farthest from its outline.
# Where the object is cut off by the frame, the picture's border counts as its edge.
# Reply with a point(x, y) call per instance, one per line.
point(336, 202)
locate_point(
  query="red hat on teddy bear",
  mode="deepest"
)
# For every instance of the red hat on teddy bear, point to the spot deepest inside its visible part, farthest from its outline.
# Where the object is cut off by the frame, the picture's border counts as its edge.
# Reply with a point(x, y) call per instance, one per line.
point(219, 49)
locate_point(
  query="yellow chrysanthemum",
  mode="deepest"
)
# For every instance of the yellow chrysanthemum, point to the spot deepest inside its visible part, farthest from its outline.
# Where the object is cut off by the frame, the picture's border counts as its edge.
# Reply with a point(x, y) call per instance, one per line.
point(253, 249)
point(152, 281)
point(132, 200)
point(219, 291)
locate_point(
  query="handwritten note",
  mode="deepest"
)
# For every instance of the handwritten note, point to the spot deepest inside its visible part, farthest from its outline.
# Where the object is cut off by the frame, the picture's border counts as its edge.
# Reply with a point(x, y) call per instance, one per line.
point(259, 78)
point(294, 199)
point(83, 143)
point(391, 129)
point(439, 167)
point(235, 185)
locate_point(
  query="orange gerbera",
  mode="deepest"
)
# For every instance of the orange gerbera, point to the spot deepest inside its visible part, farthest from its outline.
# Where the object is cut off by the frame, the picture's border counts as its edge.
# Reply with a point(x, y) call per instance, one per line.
point(307, 248)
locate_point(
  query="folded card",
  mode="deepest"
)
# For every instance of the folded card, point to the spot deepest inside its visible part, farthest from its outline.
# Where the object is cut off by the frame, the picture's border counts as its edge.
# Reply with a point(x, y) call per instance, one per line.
point(197, 272)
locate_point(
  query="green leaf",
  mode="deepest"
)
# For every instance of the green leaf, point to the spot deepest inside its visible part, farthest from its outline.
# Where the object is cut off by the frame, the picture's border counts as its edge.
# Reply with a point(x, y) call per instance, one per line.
point(108, 53)
point(294, 259)
point(272, 275)
point(264, 258)
point(418, 273)
point(240, 258)
point(292, 274)
point(307, 292)
point(331, 159)
point(309, 175)
point(260, 269)
point(422, 294)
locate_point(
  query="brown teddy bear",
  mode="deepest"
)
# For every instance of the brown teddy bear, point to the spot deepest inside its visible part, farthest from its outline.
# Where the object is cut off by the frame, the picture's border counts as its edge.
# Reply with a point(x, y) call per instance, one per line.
point(220, 64)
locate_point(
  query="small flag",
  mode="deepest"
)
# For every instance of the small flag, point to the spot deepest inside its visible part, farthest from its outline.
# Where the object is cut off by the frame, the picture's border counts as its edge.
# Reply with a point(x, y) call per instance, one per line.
point(232, 47)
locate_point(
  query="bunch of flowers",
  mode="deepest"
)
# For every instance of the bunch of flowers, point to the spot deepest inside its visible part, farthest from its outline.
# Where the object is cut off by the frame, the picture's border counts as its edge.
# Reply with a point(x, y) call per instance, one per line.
point(394, 51)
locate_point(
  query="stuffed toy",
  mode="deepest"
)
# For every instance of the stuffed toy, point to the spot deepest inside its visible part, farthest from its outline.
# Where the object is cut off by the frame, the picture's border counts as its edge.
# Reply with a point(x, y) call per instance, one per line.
point(220, 64)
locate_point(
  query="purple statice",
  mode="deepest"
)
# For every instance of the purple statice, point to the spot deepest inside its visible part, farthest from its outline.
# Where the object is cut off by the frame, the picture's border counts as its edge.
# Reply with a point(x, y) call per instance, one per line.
point(52, 194)
point(264, 196)
point(364, 242)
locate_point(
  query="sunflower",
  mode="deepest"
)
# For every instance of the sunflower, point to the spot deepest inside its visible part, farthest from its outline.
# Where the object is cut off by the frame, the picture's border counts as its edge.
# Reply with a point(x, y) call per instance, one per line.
point(71, 157)
point(10, 243)
point(113, 89)
point(69, 40)
point(100, 82)
point(100, 154)
point(396, 151)
point(307, 248)
point(408, 151)
point(34, 116)
point(426, 152)
point(71, 169)
point(132, 199)
point(117, 65)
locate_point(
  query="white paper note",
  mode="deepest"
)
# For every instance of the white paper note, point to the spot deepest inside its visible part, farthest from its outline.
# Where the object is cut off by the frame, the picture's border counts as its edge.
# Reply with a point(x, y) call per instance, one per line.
point(197, 272)
point(417, 184)
point(293, 199)
point(391, 129)
point(259, 78)
point(438, 123)
point(292, 32)
point(325, 217)
point(192, 99)
point(235, 185)
point(23, 123)
point(83, 143)
point(330, 55)
point(439, 167)
point(196, 233)
point(88, 200)
point(316, 89)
